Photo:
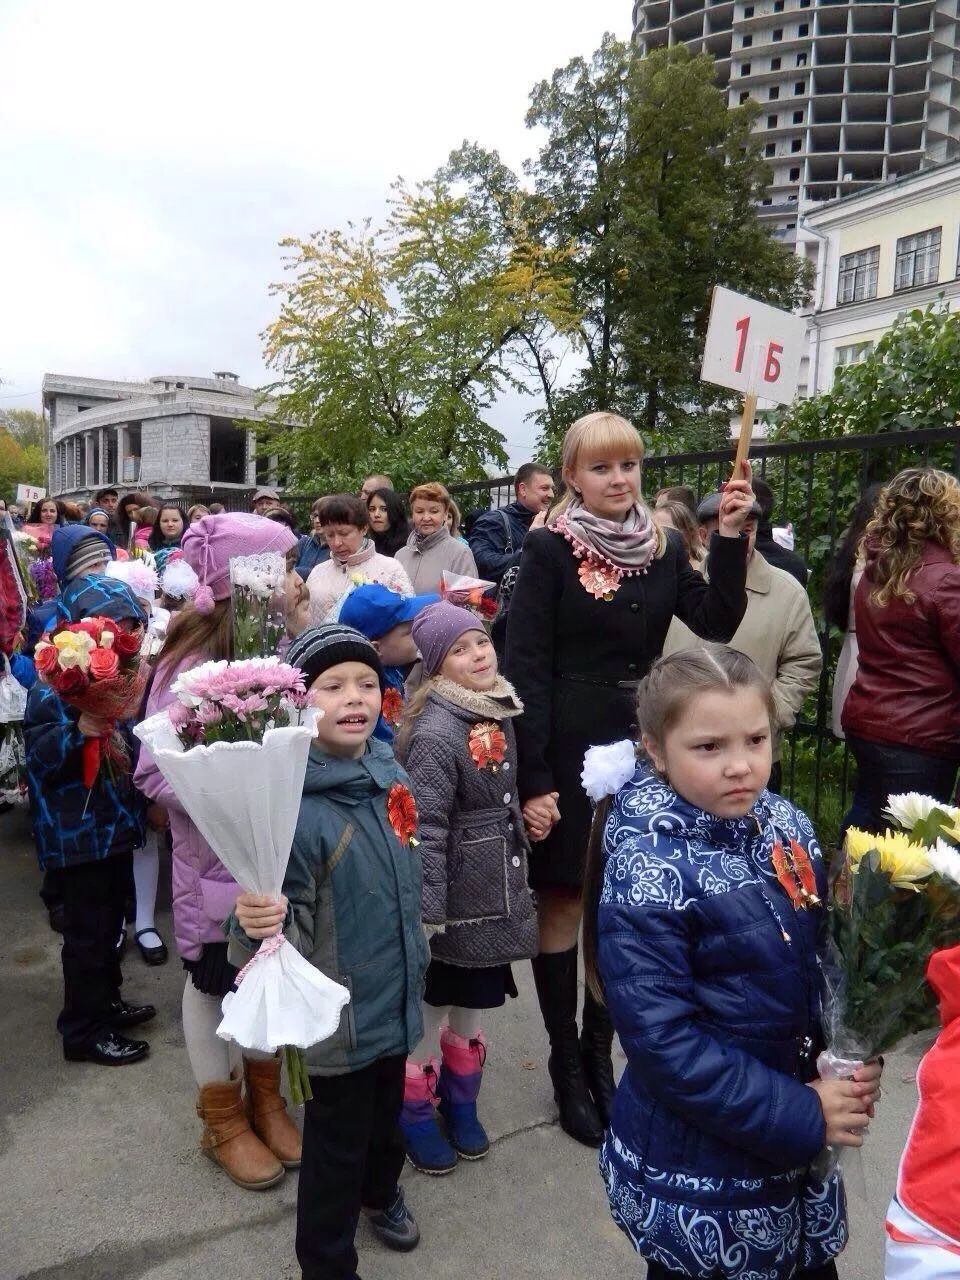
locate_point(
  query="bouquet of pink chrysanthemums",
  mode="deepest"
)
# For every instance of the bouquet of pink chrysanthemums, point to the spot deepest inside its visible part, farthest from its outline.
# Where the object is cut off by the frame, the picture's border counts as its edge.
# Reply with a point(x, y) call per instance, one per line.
point(234, 749)
point(236, 701)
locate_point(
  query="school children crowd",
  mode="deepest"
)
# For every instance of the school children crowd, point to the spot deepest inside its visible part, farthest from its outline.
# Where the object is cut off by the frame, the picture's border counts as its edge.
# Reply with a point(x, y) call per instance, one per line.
point(601, 765)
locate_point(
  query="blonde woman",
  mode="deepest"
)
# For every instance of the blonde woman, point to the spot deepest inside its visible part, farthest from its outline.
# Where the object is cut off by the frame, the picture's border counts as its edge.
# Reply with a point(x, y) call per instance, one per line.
point(596, 591)
point(902, 714)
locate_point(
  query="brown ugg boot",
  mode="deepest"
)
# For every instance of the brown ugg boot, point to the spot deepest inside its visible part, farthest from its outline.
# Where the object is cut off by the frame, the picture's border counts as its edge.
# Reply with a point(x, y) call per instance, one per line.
point(230, 1142)
point(267, 1111)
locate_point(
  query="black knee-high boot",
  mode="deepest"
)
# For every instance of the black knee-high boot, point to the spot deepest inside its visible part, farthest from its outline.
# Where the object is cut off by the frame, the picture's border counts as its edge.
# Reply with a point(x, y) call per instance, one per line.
point(555, 974)
point(596, 1043)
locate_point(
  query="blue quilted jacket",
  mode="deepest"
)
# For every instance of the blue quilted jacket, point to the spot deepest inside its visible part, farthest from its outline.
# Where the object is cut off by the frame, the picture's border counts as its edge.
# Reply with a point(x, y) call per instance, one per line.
point(713, 983)
point(70, 824)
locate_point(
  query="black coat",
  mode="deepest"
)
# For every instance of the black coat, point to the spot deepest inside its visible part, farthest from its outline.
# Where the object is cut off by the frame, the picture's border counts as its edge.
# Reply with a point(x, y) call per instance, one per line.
point(575, 662)
point(781, 557)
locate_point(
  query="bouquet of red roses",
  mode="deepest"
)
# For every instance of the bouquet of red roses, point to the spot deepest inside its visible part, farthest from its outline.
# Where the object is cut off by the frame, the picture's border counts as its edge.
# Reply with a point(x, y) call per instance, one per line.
point(94, 665)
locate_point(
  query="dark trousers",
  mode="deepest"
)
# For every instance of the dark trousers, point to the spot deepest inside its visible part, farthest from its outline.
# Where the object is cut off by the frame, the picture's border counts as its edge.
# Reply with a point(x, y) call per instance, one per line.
point(884, 770)
point(826, 1272)
point(776, 778)
point(352, 1156)
point(51, 887)
point(93, 898)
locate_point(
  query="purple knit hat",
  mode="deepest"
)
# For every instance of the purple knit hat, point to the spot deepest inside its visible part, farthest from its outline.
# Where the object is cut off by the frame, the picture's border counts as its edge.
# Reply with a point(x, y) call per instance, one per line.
point(436, 627)
point(209, 543)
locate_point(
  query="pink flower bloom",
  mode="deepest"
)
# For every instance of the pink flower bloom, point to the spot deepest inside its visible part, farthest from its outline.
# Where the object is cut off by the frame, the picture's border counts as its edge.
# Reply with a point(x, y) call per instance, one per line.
point(209, 713)
point(180, 715)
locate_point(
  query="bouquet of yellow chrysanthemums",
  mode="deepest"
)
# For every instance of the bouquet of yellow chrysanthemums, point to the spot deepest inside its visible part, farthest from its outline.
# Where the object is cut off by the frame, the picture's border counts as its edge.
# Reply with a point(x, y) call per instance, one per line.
point(895, 900)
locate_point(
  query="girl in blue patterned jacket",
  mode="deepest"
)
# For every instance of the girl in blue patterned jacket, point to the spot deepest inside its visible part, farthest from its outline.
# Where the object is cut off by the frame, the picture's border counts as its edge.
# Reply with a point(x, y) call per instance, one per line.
point(703, 932)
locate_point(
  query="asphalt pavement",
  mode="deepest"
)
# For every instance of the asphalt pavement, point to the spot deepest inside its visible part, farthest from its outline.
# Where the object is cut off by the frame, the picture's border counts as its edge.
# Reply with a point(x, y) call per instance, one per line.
point(101, 1176)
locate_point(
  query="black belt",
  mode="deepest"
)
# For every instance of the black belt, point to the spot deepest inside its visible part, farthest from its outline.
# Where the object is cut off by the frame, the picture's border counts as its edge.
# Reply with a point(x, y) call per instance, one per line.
point(596, 681)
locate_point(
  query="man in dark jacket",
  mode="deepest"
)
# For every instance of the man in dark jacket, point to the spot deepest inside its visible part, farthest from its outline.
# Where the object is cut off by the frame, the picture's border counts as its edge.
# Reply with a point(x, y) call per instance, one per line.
point(108, 499)
point(767, 545)
point(496, 538)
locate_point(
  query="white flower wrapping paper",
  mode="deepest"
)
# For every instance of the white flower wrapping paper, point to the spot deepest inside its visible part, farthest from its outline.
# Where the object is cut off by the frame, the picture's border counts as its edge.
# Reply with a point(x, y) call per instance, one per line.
point(244, 798)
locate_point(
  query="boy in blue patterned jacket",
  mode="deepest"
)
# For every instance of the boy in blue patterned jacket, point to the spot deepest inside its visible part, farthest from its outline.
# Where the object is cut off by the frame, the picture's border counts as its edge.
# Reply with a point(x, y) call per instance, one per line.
point(703, 929)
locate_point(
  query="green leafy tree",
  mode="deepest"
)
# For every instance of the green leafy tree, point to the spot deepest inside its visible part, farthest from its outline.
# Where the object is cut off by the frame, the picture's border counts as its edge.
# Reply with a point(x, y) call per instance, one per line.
point(651, 181)
point(19, 464)
point(392, 343)
point(25, 425)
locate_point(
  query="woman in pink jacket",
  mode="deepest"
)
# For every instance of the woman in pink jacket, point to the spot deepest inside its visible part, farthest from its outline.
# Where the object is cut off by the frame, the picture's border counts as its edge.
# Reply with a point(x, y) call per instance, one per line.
point(252, 1143)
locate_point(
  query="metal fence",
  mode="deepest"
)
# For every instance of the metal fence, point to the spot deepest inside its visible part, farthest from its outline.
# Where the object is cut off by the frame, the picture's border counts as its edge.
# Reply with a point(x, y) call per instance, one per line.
point(816, 484)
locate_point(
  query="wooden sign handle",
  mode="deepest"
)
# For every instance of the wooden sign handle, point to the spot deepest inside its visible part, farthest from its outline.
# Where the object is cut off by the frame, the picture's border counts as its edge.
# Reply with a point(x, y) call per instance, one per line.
point(746, 431)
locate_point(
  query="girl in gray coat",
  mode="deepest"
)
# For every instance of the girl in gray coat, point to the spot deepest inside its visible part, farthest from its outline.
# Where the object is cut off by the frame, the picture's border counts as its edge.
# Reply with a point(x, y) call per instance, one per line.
point(458, 746)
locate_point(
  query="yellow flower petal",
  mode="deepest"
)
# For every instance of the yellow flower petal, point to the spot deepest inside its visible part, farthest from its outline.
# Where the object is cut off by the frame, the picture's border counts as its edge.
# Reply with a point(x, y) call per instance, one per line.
point(903, 860)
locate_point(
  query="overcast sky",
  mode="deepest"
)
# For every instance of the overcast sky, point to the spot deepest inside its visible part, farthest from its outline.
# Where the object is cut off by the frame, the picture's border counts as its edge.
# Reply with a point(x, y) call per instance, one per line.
point(152, 155)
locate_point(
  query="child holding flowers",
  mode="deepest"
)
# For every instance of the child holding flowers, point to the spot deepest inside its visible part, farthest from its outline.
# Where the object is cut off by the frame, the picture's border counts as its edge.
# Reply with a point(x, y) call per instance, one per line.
point(86, 818)
point(702, 931)
point(353, 886)
point(254, 1142)
point(457, 743)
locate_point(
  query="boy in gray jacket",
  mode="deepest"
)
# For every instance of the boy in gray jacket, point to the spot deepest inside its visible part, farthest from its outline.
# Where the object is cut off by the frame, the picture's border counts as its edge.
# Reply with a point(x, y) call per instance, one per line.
point(352, 907)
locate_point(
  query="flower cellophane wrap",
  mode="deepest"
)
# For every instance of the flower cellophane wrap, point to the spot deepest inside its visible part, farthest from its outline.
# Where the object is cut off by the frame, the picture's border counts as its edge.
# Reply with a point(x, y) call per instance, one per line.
point(893, 903)
point(244, 798)
point(469, 593)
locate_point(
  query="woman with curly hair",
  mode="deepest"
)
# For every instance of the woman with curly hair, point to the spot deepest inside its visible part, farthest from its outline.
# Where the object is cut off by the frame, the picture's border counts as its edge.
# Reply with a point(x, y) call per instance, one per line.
point(902, 714)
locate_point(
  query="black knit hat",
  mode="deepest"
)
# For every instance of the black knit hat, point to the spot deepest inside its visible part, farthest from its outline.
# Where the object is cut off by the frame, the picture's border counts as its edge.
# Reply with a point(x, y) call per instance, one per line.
point(319, 648)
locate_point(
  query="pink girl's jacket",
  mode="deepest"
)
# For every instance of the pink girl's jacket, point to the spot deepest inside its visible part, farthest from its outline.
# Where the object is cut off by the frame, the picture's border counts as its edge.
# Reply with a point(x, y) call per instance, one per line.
point(923, 1220)
point(204, 892)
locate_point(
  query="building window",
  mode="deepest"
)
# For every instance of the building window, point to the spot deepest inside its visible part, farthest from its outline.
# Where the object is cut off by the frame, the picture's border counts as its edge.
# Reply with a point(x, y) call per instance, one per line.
point(794, 175)
point(918, 260)
point(778, 6)
point(799, 87)
point(856, 353)
point(801, 59)
point(774, 94)
point(745, 69)
point(748, 11)
point(770, 149)
point(798, 117)
point(771, 122)
point(744, 96)
point(778, 34)
point(858, 276)
point(747, 42)
point(803, 29)
point(796, 145)
point(774, 64)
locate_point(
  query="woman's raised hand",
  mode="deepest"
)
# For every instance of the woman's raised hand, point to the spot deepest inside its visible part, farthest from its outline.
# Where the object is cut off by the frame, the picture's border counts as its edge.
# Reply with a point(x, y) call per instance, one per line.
point(737, 500)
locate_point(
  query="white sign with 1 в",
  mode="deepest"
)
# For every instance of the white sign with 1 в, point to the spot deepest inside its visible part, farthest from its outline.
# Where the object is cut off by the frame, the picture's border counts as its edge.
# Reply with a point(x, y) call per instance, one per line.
point(752, 347)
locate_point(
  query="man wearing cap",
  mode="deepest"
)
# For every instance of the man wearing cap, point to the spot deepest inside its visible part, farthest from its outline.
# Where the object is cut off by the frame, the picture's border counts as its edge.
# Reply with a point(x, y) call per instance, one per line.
point(777, 630)
point(386, 618)
point(263, 500)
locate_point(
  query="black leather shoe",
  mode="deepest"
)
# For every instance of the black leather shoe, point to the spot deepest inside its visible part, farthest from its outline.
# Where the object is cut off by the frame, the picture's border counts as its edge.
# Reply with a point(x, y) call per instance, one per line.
point(109, 1050)
point(151, 955)
point(125, 1015)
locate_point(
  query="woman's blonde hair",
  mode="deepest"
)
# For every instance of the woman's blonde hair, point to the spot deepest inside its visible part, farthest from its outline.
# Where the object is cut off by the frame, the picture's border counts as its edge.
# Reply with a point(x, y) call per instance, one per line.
point(454, 511)
point(600, 435)
point(919, 505)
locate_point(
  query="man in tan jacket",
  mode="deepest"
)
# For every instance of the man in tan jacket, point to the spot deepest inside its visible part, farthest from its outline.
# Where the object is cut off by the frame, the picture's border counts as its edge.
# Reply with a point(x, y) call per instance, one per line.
point(777, 630)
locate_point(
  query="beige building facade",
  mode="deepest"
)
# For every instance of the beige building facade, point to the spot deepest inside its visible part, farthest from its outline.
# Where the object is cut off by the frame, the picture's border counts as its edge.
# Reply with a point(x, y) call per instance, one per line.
point(878, 253)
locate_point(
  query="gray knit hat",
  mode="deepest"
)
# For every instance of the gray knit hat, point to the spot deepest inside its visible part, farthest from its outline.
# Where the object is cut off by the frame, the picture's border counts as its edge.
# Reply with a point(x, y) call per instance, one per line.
point(88, 555)
point(319, 648)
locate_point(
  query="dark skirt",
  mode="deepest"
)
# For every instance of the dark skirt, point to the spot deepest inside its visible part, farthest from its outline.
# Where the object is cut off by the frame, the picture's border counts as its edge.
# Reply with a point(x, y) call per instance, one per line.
point(584, 716)
point(212, 973)
point(451, 984)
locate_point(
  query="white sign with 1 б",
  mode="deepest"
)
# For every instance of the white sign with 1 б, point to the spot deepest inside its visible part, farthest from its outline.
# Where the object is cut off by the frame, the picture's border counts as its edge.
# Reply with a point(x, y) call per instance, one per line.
point(752, 347)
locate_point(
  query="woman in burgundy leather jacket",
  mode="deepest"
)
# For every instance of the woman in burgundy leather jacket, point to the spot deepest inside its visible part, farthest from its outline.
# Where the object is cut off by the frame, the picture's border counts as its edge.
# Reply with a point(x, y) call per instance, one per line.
point(902, 715)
